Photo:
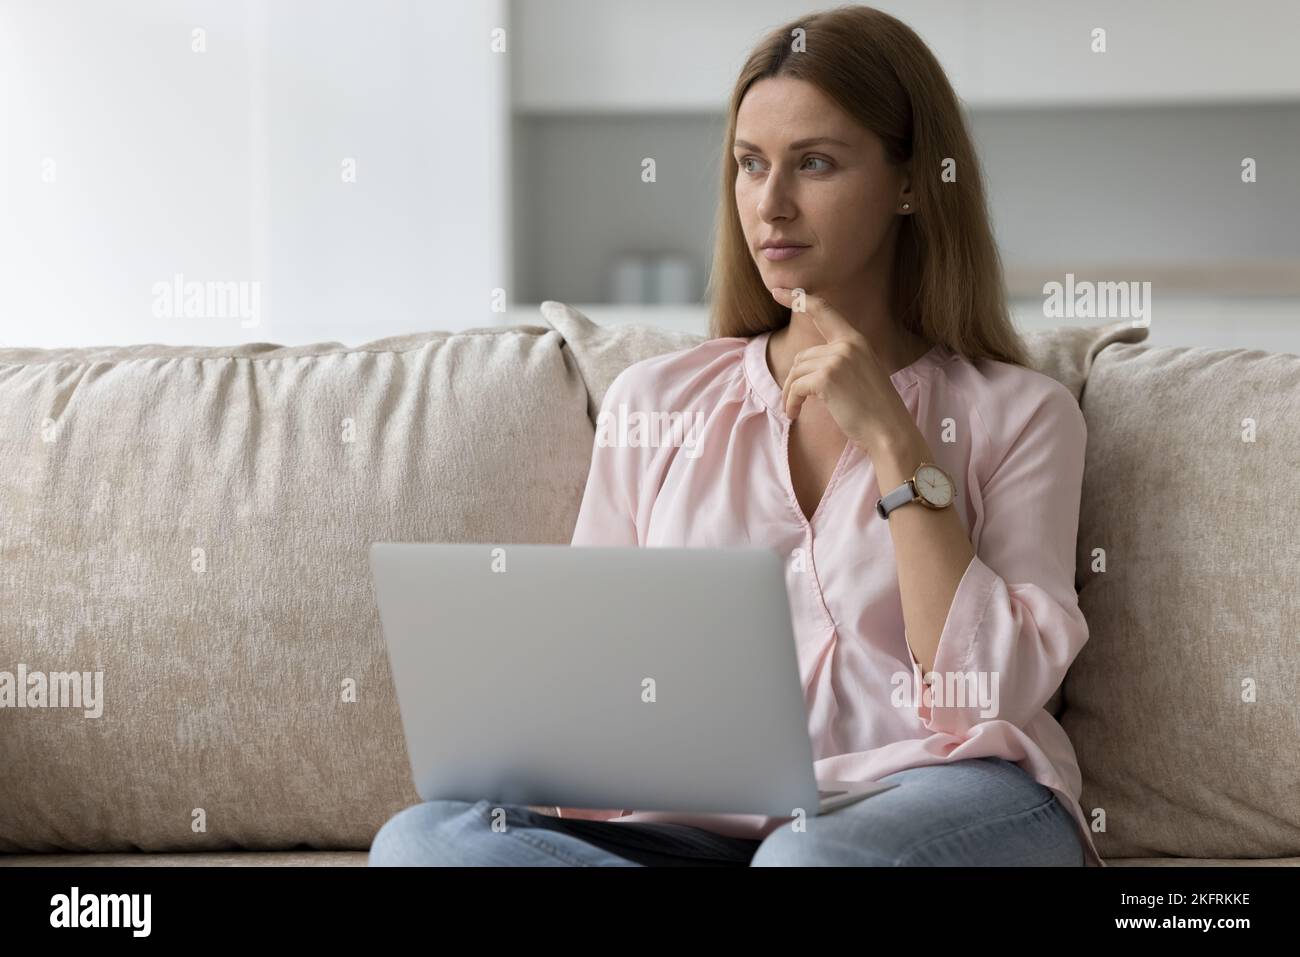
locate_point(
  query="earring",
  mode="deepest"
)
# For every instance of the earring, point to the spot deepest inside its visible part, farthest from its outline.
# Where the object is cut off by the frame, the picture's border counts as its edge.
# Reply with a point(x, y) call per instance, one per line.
point(906, 207)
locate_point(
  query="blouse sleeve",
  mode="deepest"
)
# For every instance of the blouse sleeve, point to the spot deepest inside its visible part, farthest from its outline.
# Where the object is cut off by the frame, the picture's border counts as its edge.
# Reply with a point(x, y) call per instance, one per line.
point(607, 515)
point(1014, 625)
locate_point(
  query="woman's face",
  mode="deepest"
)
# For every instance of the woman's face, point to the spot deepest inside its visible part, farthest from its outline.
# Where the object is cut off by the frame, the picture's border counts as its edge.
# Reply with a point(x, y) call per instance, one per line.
point(839, 198)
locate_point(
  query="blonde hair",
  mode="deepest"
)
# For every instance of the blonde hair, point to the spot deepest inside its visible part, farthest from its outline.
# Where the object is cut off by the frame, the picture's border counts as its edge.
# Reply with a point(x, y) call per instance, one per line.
point(947, 283)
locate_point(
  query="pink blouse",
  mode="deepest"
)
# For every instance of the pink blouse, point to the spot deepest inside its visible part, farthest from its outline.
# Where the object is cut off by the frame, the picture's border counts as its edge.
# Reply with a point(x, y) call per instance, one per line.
point(1012, 438)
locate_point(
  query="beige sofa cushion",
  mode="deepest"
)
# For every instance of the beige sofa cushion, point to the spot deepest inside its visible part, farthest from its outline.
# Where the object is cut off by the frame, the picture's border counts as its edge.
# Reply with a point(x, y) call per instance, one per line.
point(1182, 706)
point(602, 352)
point(194, 523)
point(196, 859)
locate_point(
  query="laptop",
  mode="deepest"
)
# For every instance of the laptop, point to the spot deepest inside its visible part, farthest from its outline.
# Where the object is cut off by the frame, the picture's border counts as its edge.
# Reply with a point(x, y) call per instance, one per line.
point(658, 679)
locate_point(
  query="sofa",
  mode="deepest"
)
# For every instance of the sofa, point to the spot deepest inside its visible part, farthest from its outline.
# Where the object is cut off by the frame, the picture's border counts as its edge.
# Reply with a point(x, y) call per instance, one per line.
point(184, 551)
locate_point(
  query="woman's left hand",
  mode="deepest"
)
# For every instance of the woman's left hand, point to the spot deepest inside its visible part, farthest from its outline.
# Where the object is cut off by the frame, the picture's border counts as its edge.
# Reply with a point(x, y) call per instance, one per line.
point(846, 375)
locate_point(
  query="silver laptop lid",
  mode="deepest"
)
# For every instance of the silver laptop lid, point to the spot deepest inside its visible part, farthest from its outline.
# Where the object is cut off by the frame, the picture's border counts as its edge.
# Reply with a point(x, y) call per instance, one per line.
point(648, 678)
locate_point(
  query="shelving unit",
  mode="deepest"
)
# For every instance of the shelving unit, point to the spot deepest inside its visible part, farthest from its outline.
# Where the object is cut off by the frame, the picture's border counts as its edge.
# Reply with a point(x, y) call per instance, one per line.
point(1115, 166)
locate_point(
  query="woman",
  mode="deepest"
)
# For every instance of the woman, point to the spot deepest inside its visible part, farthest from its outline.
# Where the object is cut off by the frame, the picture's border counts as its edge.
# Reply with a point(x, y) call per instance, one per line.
point(860, 340)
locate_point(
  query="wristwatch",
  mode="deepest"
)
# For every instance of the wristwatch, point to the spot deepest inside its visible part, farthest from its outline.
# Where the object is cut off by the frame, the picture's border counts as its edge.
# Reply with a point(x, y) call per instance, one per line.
point(929, 485)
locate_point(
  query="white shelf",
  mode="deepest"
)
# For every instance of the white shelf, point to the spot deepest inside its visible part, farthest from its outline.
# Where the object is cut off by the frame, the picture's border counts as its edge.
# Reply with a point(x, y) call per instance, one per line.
point(677, 56)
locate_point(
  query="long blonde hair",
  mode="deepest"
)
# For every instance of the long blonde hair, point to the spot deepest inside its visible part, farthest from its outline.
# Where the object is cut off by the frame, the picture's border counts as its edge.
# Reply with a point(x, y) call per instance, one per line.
point(947, 283)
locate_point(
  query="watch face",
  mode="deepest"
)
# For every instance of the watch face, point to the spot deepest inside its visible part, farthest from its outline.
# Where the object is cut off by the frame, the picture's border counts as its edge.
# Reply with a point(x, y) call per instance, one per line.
point(933, 485)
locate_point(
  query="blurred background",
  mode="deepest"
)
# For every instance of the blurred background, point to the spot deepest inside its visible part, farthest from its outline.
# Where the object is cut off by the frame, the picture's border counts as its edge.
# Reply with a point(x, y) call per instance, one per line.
point(350, 170)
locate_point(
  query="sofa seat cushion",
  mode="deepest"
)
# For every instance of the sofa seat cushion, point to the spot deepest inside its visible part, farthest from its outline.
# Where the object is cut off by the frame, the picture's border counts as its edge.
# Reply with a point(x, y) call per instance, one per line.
point(300, 858)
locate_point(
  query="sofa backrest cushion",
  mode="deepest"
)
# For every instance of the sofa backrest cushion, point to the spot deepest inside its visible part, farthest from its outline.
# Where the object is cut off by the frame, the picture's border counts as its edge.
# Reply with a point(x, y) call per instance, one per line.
point(1182, 705)
point(194, 524)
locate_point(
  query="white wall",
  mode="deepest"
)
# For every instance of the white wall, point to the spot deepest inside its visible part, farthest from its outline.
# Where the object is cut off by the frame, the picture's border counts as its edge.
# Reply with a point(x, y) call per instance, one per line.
point(226, 166)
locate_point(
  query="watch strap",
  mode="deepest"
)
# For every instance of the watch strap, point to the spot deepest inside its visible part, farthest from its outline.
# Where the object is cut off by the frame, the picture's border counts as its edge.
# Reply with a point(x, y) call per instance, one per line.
point(899, 496)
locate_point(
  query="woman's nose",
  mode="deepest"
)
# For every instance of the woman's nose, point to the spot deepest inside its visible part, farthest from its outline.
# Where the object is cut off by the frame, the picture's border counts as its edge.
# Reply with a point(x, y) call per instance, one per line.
point(775, 201)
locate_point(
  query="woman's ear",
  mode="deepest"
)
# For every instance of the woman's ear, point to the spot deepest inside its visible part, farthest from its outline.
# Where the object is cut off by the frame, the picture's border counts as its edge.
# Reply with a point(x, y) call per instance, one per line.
point(906, 202)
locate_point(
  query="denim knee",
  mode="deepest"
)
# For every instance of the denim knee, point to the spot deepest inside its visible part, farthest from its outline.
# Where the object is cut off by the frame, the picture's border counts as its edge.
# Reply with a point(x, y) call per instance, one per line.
point(814, 847)
point(414, 827)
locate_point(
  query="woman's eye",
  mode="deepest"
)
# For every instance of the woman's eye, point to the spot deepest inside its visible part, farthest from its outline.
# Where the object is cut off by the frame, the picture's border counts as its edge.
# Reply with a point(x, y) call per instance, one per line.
point(815, 159)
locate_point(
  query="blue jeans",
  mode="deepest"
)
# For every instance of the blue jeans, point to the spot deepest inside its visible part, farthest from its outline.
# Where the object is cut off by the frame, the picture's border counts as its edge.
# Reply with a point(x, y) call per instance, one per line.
point(977, 812)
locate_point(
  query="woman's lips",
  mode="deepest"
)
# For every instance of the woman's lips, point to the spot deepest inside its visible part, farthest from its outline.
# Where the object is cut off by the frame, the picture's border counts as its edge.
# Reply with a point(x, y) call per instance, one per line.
point(783, 252)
